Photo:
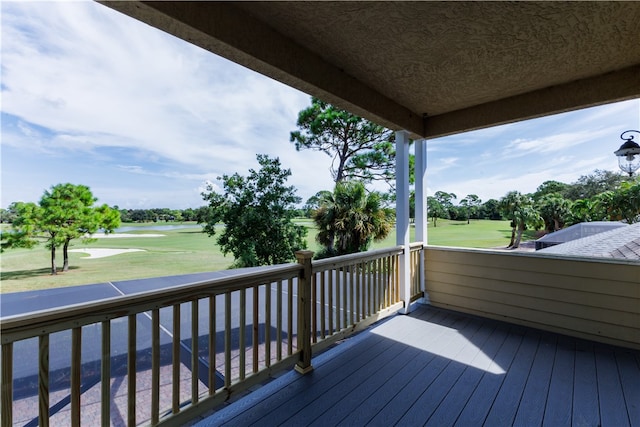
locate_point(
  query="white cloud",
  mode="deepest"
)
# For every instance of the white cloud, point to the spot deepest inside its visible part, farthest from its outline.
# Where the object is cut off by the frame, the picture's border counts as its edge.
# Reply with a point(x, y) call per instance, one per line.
point(553, 143)
point(94, 97)
point(93, 79)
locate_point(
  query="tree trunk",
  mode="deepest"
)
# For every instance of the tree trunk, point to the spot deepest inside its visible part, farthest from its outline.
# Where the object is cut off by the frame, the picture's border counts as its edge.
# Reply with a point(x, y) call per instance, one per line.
point(53, 260)
point(65, 255)
point(516, 245)
point(513, 236)
point(331, 246)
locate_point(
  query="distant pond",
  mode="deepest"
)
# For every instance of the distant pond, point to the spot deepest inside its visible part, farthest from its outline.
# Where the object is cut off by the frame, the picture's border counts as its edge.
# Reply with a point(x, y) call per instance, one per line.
point(156, 228)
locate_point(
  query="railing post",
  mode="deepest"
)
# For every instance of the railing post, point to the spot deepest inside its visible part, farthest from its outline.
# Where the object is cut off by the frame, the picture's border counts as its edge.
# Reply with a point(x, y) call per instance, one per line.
point(304, 312)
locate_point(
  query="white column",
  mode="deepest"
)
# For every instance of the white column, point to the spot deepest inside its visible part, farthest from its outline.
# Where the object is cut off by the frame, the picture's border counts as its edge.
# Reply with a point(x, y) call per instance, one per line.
point(421, 190)
point(402, 215)
point(421, 205)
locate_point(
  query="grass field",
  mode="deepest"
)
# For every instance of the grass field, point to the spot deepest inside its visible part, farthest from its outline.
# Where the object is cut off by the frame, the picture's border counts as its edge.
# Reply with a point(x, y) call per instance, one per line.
point(184, 251)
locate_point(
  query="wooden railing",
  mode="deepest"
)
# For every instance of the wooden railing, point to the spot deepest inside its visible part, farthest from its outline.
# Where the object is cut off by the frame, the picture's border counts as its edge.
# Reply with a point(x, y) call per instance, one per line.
point(351, 292)
point(167, 356)
point(416, 263)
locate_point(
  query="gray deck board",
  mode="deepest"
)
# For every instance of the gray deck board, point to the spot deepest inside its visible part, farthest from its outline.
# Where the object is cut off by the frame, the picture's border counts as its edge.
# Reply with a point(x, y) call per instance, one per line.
point(442, 368)
point(586, 410)
point(453, 403)
point(630, 377)
point(508, 398)
point(428, 402)
point(477, 406)
point(560, 398)
point(613, 410)
point(534, 398)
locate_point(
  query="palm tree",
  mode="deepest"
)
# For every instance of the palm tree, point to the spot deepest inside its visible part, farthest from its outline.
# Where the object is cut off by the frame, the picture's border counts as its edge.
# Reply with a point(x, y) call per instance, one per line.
point(350, 219)
point(555, 211)
point(520, 210)
point(582, 210)
point(471, 204)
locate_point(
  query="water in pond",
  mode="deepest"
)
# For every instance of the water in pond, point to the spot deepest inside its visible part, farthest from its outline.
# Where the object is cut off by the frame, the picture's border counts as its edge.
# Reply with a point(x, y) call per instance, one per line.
point(156, 228)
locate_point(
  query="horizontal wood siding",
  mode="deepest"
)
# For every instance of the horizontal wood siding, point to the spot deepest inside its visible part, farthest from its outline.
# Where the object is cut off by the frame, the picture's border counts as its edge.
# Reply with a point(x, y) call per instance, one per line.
point(588, 298)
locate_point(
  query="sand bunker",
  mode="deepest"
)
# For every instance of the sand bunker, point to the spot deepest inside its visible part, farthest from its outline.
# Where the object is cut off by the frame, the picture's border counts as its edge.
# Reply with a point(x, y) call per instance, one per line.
point(102, 253)
point(123, 235)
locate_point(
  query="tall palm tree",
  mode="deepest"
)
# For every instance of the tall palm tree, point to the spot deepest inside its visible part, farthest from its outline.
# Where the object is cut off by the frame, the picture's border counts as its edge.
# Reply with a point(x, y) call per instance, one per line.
point(350, 219)
point(520, 210)
point(555, 211)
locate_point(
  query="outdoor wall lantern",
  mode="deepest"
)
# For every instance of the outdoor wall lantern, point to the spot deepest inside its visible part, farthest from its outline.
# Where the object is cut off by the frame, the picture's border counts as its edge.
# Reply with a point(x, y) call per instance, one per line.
point(628, 153)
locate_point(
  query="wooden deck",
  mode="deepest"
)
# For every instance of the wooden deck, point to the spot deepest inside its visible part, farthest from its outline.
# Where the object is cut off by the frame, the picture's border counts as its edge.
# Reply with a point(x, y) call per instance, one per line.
point(442, 368)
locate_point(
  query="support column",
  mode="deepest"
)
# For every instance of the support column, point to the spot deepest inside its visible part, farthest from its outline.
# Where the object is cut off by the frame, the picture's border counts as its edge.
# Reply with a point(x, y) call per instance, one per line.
point(421, 207)
point(402, 215)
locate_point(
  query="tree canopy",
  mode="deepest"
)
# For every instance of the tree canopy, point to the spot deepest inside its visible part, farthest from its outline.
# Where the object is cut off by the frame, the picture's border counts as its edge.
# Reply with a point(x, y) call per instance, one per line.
point(349, 219)
point(257, 212)
point(65, 212)
point(360, 149)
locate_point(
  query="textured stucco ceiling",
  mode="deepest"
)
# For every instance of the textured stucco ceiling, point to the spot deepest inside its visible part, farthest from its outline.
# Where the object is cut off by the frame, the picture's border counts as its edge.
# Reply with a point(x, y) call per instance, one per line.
point(463, 65)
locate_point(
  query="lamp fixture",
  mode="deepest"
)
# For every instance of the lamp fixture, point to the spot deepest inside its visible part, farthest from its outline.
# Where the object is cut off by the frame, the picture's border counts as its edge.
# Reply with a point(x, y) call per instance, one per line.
point(628, 153)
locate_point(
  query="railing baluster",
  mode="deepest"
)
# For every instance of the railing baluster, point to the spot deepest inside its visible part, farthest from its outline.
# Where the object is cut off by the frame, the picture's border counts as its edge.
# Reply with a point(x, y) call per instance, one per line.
point(7, 385)
point(105, 377)
point(212, 344)
point(376, 294)
point(385, 282)
point(243, 320)
point(227, 339)
point(372, 287)
point(76, 363)
point(255, 330)
point(131, 371)
point(175, 360)
point(396, 270)
point(267, 324)
point(195, 350)
point(323, 309)
point(314, 309)
point(332, 273)
point(345, 290)
point(339, 284)
point(379, 304)
point(279, 320)
point(43, 381)
point(365, 289)
point(290, 318)
point(358, 284)
point(155, 366)
point(352, 292)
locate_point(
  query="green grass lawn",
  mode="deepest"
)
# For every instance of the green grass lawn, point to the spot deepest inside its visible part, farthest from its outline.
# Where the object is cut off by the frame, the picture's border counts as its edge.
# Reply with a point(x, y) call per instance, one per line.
point(186, 251)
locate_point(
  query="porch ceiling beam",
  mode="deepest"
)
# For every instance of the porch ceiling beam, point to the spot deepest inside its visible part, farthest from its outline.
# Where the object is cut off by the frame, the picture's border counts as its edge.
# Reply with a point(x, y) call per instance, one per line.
point(607, 88)
point(232, 31)
point(233, 34)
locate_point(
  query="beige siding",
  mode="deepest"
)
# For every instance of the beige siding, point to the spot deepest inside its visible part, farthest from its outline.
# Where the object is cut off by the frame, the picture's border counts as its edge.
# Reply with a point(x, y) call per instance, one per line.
point(588, 298)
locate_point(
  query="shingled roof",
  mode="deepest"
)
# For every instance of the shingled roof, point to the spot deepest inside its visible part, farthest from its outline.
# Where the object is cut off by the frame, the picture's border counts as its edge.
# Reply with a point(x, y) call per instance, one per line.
point(620, 243)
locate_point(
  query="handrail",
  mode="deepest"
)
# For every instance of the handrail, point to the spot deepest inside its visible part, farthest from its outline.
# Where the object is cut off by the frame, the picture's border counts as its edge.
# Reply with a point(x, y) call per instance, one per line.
point(334, 297)
point(414, 246)
point(344, 260)
point(18, 327)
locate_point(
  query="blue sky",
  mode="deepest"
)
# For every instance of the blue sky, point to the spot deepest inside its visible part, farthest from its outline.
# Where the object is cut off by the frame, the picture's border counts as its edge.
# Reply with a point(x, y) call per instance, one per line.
point(93, 97)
